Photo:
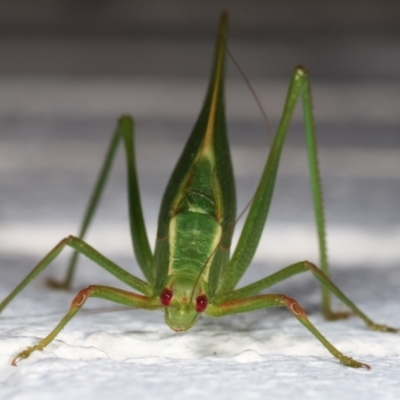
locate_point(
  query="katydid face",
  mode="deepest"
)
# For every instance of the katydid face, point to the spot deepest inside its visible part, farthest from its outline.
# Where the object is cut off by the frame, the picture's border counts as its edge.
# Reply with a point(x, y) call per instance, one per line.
point(182, 304)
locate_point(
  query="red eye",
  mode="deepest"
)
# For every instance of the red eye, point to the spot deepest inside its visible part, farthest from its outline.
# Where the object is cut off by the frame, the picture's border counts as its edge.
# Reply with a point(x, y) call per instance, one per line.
point(166, 297)
point(201, 303)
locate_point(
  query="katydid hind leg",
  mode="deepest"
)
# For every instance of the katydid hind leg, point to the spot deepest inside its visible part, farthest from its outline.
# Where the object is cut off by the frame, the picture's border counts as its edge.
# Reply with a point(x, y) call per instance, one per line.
point(258, 212)
point(144, 256)
point(317, 195)
point(255, 221)
point(89, 212)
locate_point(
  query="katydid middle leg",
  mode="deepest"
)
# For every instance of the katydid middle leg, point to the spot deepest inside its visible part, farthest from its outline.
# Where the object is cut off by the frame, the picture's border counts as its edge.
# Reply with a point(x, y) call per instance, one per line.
point(298, 268)
point(80, 246)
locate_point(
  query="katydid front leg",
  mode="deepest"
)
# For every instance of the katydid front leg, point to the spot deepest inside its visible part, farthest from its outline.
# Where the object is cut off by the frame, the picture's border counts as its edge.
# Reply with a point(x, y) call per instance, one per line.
point(104, 292)
point(243, 305)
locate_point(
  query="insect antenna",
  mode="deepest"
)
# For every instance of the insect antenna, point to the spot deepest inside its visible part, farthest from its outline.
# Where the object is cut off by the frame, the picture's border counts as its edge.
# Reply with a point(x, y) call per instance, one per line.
point(253, 92)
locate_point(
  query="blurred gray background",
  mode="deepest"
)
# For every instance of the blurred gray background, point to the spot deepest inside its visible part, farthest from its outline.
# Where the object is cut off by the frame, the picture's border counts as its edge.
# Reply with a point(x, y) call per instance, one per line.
point(68, 69)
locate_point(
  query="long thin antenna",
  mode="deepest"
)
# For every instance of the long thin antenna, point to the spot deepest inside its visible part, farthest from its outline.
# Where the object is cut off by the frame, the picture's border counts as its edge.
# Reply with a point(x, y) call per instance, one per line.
point(253, 92)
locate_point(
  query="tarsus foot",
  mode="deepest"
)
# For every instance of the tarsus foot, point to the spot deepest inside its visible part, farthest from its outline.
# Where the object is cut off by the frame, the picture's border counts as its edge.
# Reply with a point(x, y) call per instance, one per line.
point(350, 362)
point(336, 315)
point(55, 284)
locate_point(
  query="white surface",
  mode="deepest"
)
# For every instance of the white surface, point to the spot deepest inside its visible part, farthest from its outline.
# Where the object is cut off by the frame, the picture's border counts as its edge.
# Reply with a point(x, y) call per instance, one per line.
point(133, 353)
point(262, 354)
point(128, 354)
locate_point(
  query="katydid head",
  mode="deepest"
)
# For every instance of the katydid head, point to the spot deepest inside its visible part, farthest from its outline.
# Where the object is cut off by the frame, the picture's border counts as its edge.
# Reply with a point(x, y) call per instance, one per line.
point(181, 307)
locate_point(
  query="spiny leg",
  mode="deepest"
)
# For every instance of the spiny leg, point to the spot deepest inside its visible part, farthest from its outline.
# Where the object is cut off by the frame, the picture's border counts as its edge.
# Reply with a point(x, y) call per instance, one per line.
point(255, 221)
point(105, 292)
point(299, 268)
point(316, 190)
point(144, 256)
point(81, 247)
point(243, 305)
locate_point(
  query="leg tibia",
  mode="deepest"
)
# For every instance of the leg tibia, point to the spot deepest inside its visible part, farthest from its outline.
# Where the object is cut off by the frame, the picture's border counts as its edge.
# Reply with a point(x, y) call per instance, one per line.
point(299, 268)
point(116, 295)
point(331, 287)
point(300, 314)
point(144, 256)
point(81, 247)
point(276, 300)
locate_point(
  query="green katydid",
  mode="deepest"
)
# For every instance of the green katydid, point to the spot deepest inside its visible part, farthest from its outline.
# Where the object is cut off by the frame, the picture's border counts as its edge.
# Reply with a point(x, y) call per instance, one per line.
point(191, 271)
